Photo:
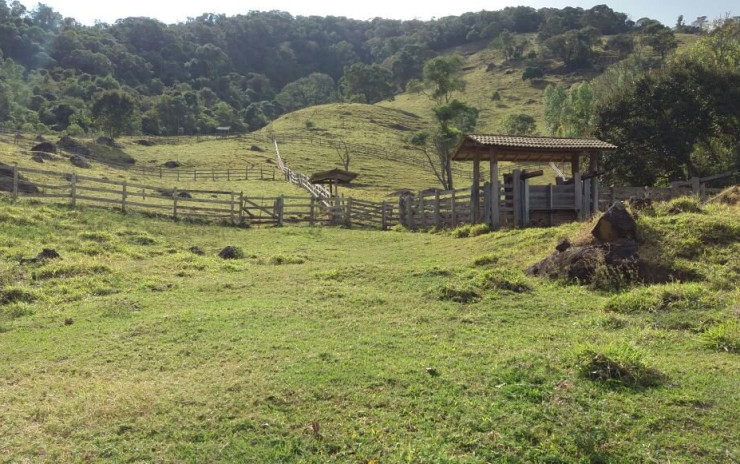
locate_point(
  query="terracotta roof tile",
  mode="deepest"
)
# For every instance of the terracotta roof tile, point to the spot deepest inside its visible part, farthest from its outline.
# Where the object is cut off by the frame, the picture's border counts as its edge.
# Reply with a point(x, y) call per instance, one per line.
point(509, 141)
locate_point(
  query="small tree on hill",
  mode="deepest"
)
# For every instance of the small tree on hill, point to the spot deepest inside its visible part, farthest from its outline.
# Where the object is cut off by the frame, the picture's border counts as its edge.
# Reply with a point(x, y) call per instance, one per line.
point(114, 112)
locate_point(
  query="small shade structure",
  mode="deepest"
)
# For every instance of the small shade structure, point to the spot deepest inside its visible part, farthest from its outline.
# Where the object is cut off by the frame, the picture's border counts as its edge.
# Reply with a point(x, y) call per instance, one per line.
point(333, 178)
point(520, 149)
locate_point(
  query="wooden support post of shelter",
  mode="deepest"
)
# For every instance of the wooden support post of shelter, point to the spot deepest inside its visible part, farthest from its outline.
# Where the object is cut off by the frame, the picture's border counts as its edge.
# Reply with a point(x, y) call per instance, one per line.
point(495, 214)
point(475, 191)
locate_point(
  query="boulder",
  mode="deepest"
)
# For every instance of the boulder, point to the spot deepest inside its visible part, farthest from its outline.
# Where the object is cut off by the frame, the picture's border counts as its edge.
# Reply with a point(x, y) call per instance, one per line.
point(229, 252)
point(37, 157)
point(46, 147)
point(563, 245)
point(145, 143)
point(74, 146)
point(615, 224)
point(79, 161)
point(6, 181)
point(172, 164)
point(256, 148)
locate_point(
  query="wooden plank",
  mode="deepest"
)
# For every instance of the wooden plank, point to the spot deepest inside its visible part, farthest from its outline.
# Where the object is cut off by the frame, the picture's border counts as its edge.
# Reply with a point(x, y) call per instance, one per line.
point(96, 189)
point(40, 171)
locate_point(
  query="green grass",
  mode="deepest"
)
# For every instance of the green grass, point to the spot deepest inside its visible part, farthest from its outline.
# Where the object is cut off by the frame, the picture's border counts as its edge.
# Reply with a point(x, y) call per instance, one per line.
point(345, 352)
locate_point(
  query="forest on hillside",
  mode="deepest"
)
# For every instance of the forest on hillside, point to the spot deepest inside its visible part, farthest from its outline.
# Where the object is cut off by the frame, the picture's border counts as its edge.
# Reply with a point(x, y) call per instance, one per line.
point(141, 76)
point(243, 71)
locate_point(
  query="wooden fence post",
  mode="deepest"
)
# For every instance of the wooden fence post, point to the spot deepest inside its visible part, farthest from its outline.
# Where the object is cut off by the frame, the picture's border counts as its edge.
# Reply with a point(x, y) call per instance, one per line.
point(410, 222)
point(73, 189)
point(273, 173)
point(246, 172)
point(232, 212)
point(280, 203)
point(174, 203)
point(487, 199)
point(312, 215)
point(228, 174)
point(241, 207)
point(178, 174)
point(261, 177)
point(586, 208)
point(15, 183)
point(453, 211)
point(437, 212)
point(422, 213)
point(384, 216)
point(123, 197)
point(213, 174)
point(348, 212)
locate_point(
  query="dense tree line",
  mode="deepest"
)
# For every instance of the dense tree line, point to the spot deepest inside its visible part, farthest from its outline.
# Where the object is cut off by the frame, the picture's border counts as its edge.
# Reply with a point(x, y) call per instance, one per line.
point(245, 70)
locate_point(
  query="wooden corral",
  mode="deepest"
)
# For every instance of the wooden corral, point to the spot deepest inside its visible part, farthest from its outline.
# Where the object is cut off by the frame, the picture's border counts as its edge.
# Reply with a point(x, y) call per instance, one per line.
point(509, 199)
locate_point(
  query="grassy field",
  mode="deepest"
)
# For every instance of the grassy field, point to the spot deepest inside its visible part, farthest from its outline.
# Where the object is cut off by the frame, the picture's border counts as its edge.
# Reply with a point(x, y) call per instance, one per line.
point(335, 345)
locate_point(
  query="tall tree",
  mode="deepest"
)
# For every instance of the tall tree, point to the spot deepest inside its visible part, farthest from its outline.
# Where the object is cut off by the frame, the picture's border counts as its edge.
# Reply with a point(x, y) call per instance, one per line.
point(113, 111)
point(444, 75)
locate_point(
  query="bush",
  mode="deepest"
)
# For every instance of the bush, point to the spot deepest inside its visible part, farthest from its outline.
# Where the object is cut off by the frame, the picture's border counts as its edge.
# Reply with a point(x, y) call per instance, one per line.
point(532, 73)
point(479, 229)
point(723, 337)
point(462, 231)
point(617, 364)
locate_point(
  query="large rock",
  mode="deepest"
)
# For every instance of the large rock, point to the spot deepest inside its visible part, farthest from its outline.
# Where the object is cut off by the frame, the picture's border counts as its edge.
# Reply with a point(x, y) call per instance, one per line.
point(79, 161)
point(172, 164)
point(615, 224)
point(74, 146)
point(46, 147)
point(6, 181)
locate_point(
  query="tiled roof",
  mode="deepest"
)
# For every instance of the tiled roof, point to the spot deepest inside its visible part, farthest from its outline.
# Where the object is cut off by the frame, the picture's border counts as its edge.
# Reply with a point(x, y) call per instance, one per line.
point(509, 141)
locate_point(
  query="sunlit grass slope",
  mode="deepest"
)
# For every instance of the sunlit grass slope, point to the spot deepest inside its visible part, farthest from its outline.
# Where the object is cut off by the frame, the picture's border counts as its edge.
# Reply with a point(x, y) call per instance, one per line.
point(336, 345)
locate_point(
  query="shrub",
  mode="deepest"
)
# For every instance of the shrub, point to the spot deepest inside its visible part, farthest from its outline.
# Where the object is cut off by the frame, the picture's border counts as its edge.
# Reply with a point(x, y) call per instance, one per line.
point(532, 73)
point(496, 96)
point(723, 337)
point(479, 229)
point(617, 364)
point(462, 231)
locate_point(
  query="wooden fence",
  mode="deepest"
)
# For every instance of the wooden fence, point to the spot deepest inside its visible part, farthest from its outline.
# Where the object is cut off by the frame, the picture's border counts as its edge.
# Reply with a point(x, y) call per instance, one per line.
point(224, 206)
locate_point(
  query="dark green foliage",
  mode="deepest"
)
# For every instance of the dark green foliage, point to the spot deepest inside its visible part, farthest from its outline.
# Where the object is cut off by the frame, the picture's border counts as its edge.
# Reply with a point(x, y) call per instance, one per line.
point(532, 73)
point(364, 83)
point(518, 124)
point(114, 111)
point(659, 121)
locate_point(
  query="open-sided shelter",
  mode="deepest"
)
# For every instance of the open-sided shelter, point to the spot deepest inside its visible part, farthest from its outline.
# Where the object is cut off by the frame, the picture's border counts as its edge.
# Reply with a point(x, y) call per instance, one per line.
point(520, 149)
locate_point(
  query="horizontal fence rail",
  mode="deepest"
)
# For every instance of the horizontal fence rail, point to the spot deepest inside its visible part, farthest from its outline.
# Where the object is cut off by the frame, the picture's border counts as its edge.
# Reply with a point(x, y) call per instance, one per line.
point(225, 206)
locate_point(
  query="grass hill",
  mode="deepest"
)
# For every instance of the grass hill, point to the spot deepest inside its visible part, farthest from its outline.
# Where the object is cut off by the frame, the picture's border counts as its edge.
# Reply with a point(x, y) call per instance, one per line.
point(334, 345)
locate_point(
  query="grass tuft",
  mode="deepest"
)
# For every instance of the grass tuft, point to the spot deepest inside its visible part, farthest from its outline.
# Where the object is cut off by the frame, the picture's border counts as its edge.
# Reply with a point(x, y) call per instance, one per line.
point(16, 294)
point(724, 336)
point(666, 297)
point(617, 364)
